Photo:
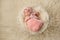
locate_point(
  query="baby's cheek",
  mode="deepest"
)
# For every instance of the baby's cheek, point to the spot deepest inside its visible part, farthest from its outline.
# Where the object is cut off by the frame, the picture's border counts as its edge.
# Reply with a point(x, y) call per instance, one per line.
point(34, 25)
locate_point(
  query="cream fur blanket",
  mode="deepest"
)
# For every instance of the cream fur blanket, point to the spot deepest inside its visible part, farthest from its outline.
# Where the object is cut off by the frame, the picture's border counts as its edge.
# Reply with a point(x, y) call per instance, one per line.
point(9, 29)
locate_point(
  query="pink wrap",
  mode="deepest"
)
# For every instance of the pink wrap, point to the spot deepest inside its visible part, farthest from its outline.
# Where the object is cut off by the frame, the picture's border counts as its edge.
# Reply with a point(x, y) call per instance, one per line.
point(34, 24)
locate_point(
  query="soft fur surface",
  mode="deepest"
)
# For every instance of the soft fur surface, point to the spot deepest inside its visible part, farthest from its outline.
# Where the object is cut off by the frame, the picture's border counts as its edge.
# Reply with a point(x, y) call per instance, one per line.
point(9, 29)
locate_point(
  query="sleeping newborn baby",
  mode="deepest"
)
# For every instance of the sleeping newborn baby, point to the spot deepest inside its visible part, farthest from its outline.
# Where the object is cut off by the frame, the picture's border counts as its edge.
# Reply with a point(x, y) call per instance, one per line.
point(32, 19)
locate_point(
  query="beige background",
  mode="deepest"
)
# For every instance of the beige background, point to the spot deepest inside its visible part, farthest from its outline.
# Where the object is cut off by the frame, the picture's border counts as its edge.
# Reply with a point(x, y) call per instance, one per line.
point(8, 24)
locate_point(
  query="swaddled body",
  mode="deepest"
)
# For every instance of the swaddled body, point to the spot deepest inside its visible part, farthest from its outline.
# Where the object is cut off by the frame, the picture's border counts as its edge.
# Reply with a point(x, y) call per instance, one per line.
point(32, 19)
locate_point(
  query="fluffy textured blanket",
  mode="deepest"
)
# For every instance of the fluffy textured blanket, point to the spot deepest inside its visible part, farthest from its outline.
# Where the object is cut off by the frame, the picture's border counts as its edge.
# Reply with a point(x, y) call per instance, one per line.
point(9, 29)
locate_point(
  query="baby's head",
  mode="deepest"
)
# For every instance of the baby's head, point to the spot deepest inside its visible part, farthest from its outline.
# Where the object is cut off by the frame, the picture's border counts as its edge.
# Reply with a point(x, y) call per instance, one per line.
point(27, 11)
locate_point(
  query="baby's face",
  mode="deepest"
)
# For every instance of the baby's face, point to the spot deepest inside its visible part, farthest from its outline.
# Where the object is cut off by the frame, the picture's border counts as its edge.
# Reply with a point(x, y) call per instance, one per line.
point(27, 11)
